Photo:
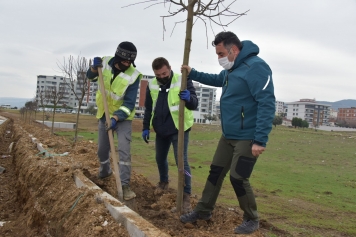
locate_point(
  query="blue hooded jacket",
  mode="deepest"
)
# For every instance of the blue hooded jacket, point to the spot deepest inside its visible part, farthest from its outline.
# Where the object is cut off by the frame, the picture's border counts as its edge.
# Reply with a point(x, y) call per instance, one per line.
point(247, 102)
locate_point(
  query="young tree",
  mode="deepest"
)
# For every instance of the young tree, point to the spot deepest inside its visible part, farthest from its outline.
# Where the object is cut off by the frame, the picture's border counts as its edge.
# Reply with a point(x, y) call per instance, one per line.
point(55, 96)
point(209, 10)
point(277, 120)
point(91, 109)
point(210, 117)
point(30, 107)
point(74, 71)
point(42, 101)
point(22, 112)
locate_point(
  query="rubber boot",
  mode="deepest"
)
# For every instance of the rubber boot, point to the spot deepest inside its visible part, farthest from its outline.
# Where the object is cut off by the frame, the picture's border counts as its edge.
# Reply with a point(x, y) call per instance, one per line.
point(128, 193)
point(186, 203)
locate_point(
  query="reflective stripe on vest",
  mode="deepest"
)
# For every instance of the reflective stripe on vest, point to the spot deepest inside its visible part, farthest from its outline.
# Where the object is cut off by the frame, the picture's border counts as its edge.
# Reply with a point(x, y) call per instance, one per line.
point(115, 92)
point(173, 101)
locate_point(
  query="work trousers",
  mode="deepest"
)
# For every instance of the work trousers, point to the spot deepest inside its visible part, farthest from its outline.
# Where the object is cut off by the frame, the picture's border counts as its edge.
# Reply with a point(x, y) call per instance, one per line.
point(123, 132)
point(234, 156)
point(162, 148)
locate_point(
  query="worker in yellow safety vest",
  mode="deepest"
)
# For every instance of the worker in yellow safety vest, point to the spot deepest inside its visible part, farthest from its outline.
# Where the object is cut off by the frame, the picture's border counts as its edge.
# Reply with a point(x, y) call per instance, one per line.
point(121, 82)
point(163, 96)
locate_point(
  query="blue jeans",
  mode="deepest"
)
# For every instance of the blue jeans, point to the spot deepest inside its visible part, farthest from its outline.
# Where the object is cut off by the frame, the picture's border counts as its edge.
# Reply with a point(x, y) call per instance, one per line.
point(162, 148)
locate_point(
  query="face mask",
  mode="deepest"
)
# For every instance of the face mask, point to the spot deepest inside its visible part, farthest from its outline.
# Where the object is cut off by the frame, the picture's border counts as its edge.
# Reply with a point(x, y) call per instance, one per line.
point(122, 66)
point(225, 63)
point(163, 80)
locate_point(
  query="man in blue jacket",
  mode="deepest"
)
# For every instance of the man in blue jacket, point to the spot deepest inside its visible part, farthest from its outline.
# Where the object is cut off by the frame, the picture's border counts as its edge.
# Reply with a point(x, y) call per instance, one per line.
point(163, 96)
point(247, 110)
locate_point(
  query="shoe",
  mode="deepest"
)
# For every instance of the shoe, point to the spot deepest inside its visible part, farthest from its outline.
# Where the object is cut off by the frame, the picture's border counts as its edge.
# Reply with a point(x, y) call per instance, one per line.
point(162, 185)
point(247, 227)
point(104, 176)
point(186, 203)
point(194, 216)
point(128, 193)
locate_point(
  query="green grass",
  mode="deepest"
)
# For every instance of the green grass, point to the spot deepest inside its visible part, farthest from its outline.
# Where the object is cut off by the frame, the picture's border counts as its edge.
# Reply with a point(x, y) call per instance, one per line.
point(306, 177)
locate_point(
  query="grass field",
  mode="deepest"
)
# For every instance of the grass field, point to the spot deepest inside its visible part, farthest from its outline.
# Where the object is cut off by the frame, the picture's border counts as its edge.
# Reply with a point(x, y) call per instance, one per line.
point(305, 182)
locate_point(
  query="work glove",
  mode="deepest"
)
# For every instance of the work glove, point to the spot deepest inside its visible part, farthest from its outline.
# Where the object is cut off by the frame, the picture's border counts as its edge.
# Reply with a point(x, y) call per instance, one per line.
point(113, 124)
point(146, 135)
point(185, 95)
point(97, 62)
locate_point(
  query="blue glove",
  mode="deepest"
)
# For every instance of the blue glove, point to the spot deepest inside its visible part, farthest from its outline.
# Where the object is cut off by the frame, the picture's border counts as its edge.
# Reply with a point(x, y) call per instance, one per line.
point(97, 62)
point(113, 124)
point(185, 95)
point(146, 135)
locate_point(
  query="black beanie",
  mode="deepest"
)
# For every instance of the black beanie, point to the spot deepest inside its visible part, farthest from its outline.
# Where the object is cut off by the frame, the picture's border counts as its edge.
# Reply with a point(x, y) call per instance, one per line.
point(126, 51)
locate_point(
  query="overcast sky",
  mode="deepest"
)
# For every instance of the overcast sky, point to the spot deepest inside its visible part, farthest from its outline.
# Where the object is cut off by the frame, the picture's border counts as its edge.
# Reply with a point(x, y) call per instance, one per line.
point(310, 45)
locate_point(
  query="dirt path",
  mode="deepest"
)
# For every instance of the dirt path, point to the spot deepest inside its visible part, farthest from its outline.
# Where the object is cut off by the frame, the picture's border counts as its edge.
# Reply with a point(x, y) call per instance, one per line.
point(39, 197)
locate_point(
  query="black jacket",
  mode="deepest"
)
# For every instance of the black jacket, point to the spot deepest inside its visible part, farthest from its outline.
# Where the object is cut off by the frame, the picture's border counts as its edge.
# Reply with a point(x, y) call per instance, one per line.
point(162, 122)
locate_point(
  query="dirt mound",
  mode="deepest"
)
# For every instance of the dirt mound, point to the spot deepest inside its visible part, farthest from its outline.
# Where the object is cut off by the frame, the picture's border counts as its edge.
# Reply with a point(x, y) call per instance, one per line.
point(39, 197)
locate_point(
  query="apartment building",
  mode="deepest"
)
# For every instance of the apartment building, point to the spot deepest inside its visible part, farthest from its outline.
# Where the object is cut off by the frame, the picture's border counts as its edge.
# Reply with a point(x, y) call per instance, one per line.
point(308, 109)
point(347, 114)
point(47, 84)
point(206, 95)
point(279, 107)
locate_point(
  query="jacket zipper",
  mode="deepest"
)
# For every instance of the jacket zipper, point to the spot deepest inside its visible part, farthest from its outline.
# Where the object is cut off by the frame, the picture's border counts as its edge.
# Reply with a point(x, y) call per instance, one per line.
point(242, 117)
point(226, 83)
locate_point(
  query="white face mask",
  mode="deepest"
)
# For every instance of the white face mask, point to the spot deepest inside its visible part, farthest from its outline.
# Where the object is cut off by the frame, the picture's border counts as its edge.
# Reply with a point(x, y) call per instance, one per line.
point(225, 63)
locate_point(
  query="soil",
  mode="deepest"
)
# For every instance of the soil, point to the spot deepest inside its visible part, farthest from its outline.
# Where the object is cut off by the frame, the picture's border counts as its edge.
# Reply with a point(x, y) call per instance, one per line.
point(38, 196)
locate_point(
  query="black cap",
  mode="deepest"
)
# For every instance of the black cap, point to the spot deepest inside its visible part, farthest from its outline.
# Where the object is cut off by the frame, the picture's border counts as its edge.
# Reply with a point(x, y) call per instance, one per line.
point(126, 51)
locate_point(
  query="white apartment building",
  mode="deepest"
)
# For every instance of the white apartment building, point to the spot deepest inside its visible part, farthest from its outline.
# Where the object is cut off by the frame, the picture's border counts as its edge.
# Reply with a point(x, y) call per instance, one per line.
point(47, 83)
point(206, 95)
point(310, 110)
point(279, 107)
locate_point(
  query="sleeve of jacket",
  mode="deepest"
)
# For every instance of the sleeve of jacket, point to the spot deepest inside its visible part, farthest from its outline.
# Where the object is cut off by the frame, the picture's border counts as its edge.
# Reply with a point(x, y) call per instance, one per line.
point(216, 80)
point(148, 110)
point(129, 100)
point(193, 103)
point(259, 79)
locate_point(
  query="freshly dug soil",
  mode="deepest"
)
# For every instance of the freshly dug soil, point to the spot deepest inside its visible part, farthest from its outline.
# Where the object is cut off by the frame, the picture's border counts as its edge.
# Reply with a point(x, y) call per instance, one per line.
point(38, 196)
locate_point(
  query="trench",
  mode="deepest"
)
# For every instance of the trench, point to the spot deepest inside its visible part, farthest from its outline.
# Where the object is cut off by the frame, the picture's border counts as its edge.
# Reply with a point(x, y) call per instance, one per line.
point(40, 198)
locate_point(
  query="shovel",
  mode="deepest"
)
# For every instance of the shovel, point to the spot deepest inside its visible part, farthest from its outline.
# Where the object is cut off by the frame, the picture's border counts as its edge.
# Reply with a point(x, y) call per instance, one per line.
point(111, 139)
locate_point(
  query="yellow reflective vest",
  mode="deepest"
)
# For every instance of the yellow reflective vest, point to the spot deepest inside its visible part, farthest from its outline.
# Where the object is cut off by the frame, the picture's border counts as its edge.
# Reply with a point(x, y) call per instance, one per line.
point(173, 101)
point(115, 92)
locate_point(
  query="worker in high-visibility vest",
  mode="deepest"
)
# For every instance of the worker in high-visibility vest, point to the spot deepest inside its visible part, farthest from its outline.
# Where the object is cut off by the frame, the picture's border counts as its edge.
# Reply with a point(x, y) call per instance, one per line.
point(121, 82)
point(163, 96)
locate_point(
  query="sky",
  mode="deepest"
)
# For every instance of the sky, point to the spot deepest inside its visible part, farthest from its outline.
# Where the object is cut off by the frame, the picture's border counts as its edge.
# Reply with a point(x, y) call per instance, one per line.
point(309, 45)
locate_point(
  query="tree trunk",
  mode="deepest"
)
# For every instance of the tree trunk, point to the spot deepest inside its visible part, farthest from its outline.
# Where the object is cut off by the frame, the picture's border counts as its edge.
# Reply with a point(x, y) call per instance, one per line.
point(54, 111)
point(180, 153)
point(77, 122)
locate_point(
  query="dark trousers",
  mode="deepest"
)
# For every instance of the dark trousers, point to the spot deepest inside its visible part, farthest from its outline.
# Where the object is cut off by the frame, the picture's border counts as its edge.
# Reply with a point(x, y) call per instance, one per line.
point(162, 148)
point(234, 156)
